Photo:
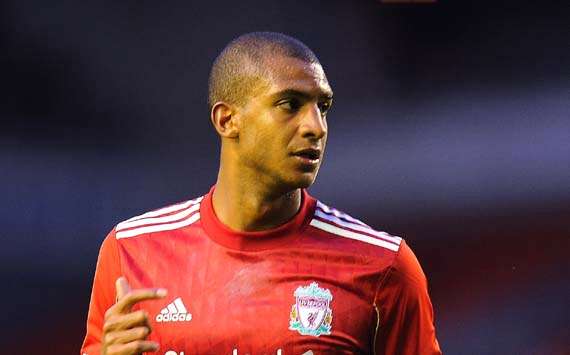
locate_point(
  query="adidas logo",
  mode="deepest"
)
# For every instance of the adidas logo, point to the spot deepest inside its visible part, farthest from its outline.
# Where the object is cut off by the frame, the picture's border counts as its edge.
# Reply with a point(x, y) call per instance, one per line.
point(174, 312)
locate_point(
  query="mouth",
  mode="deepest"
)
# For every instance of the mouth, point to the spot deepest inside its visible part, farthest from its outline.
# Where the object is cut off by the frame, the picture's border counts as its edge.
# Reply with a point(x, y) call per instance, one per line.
point(308, 156)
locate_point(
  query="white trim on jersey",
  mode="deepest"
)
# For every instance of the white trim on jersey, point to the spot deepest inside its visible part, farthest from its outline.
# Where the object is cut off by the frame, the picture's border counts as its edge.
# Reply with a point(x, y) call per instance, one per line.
point(166, 210)
point(337, 213)
point(353, 235)
point(157, 220)
point(358, 227)
point(159, 227)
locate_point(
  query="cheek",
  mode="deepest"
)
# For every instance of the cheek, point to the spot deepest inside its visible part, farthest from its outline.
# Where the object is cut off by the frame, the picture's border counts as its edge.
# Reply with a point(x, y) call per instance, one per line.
point(268, 133)
point(257, 140)
point(266, 137)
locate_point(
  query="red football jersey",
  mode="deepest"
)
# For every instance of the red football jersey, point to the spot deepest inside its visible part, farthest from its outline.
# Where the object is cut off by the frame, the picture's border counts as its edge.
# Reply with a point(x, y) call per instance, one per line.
point(323, 282)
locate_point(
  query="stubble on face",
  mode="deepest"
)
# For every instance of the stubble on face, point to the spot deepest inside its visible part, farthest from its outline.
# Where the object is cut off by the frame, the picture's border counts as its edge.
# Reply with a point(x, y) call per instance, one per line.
point(268, 135)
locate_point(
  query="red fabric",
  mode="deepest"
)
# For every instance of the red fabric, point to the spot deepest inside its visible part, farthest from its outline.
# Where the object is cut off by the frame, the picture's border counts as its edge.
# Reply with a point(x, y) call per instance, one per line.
point(239, 287)
point(406, 320)
point(102, 294)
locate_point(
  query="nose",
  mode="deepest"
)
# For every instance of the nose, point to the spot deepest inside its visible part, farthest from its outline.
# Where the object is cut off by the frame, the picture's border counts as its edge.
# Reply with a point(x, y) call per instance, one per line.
point(313, 123)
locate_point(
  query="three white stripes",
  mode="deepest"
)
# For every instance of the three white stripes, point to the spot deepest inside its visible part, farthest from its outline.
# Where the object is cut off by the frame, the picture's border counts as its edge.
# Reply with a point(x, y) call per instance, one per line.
point(345, 226)
point(166, 210)
point(155, 221)
point(358, 227)
point(175, 307)
point(339, 214)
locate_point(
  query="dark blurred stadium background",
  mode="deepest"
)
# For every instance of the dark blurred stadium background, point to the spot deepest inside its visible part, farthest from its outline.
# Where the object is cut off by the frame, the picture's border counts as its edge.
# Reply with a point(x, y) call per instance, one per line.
point(450, 128)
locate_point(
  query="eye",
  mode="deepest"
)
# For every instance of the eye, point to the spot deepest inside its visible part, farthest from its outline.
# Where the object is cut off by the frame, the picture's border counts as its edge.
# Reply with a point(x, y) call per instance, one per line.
point(324, 106)
point(290, 105)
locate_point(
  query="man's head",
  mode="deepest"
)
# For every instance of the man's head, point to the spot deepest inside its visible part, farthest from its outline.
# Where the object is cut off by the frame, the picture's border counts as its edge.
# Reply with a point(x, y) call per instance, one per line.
point(268, 97)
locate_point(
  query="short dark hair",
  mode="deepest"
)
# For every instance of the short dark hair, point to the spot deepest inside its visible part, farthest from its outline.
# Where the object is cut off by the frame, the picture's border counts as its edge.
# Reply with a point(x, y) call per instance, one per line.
point(240, 69)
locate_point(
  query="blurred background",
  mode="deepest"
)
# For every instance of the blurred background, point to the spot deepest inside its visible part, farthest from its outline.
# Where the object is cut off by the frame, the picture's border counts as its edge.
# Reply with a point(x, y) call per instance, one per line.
point(450, 128)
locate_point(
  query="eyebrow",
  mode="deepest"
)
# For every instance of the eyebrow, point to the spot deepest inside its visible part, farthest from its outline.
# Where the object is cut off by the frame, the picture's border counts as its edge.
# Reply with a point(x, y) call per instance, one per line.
point(302, 94)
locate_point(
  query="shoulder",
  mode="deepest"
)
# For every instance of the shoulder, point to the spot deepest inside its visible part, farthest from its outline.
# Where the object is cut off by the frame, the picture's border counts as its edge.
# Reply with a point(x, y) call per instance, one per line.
point(338, 224)
point(167, 218)
point(407, 268)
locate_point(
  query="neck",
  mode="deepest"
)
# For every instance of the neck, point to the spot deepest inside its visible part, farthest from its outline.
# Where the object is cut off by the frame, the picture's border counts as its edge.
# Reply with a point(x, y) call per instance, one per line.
point(243, 202)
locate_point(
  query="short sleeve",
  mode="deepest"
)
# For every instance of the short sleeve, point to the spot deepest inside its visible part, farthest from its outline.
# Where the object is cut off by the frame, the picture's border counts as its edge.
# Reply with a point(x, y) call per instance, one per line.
point(405, 313)
point(107, 271)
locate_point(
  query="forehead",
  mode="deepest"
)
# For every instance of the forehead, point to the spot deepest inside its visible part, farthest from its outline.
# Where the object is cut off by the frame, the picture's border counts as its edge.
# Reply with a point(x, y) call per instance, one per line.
point(296, 74)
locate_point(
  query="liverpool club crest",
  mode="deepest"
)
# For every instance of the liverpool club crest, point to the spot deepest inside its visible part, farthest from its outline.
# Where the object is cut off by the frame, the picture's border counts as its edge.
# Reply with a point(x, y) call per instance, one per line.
point(311, 314)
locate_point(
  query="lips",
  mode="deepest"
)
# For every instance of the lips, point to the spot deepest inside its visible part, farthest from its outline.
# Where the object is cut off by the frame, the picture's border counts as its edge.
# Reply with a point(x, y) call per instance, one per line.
point(308, 153)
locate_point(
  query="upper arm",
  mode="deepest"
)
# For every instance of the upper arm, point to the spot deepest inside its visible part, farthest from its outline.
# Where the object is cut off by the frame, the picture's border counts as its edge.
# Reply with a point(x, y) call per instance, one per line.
point(405, 312)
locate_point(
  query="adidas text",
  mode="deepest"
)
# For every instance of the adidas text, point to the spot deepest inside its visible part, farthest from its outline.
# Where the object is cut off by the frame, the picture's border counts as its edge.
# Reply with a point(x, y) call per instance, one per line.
point(184, 317)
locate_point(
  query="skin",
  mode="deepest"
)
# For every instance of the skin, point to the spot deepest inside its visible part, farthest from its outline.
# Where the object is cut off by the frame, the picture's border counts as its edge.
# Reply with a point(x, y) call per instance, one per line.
point(124, 331)
point(259, 181)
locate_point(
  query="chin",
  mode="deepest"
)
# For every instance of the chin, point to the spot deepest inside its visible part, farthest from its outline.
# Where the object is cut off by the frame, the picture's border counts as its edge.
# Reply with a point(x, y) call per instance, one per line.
point(304, 181)
point(292, 180)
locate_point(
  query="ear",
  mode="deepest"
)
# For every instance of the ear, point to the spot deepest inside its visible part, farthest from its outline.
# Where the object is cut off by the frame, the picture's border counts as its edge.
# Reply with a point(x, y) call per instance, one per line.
point(225, 120)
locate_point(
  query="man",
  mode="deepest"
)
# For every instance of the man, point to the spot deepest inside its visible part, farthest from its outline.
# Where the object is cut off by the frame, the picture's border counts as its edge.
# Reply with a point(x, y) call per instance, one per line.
point(257, 265)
